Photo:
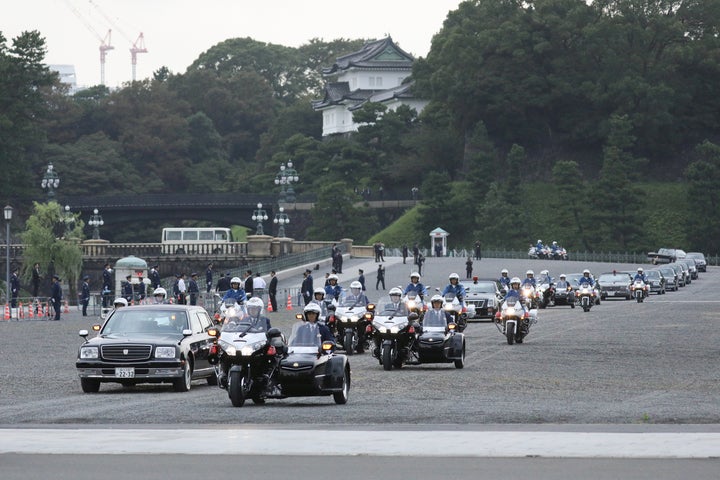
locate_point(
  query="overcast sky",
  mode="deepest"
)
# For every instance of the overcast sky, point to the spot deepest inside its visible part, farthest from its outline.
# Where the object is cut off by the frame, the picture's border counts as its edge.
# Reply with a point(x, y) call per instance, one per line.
point(177, 31)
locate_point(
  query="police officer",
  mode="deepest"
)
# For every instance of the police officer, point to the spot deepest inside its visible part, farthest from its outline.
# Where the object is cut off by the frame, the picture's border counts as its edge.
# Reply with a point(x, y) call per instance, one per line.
point(85, 295)
point(193, 288)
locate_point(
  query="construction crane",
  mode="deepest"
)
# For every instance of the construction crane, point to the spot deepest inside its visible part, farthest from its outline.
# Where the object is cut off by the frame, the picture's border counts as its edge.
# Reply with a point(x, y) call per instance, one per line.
point(138, 46)
point(105, 42)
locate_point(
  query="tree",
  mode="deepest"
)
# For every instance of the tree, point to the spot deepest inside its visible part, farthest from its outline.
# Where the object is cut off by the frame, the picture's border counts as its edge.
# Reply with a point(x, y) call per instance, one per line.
point(336, 216)
point(703, 219)
point(571, 188)
point(49, 239)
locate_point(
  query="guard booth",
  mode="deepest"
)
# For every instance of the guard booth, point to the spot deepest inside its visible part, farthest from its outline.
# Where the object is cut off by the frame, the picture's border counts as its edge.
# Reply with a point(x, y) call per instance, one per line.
point(133, 266)
point(438, 237)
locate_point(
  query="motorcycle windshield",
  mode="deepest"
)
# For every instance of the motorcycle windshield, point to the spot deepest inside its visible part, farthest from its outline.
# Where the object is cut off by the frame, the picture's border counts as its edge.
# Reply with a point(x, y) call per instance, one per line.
point(305, 334)
point(245, 324)
point(434, 318)
point(449, 298)
point(351, 301)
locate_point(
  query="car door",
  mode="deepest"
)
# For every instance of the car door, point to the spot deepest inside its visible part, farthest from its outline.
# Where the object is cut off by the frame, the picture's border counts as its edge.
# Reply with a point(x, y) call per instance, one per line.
point(200, 340)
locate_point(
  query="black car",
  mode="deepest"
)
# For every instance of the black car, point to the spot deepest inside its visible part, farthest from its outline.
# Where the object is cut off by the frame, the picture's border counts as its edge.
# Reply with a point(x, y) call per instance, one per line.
point(700, 261)
point(484, 295)
point(614, 285)
point(148, 344)
point(656, 280)
point(672, 281)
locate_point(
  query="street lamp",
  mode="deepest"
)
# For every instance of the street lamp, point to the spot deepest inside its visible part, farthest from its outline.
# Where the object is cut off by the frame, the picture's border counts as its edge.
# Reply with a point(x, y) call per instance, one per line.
point(281, 219)
point(285, 178)
point(69, 220)
point(259, 216)
point(96, 221)
point(50, 181)
point(8, 216)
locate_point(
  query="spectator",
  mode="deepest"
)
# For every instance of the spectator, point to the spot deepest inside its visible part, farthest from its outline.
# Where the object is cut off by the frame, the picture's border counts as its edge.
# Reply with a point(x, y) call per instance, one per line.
point(209, 277)
point(259, 285)
point(380, 277)
point(193, 288)
point(248, 283)
point(307, 286)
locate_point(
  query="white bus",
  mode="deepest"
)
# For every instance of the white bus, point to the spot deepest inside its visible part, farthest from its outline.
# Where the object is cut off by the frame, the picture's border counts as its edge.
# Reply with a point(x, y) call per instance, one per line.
point(197, 240)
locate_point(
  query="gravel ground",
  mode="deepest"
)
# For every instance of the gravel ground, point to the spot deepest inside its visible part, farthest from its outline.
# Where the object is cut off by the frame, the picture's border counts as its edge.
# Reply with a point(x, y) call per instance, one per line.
point(620, 363)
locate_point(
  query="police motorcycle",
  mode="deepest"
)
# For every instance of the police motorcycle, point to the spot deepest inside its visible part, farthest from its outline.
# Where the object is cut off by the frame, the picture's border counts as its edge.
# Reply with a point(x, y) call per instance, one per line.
point(311, 367)
point(558, 253)
point(457, 309)
point(529, 296)
point(639, 290)
point(440, 341)
point(348, 323)
point(394, 332)
point(415, 304)
point(585, 296)
point(229, 308)
point(250, 355)
point(545, 291)
point(513, 320)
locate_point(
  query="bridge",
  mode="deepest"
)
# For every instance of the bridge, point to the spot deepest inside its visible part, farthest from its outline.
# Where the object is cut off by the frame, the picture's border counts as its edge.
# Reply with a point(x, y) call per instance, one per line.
point(221, 208)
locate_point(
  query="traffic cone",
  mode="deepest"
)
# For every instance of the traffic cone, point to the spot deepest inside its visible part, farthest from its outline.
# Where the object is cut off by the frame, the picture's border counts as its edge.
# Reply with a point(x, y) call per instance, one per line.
point(289, 302)
point(30, 310)
point(21, 311)
point(7, 311)
point(269, 309)
point(67, 308)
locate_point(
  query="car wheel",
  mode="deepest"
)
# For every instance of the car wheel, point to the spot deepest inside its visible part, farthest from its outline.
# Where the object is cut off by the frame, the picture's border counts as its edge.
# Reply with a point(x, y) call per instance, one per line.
point(183, 383)
point(89, 385)
point(341, 397)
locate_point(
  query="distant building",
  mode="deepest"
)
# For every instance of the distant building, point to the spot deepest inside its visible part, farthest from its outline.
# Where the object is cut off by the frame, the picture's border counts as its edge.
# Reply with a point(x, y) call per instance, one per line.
point(67, 75)
point(374, 74)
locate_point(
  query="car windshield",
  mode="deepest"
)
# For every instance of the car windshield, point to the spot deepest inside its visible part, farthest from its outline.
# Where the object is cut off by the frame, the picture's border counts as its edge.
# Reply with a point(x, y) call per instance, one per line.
point(133, 320)
point(613, 278)
point(652, 274)
point(480, 287)
point(668, 272)
point(697, 255)
point(305, 334)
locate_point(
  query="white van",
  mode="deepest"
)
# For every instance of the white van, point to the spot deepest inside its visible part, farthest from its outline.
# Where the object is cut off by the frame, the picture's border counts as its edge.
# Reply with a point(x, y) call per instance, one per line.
point(196, 240)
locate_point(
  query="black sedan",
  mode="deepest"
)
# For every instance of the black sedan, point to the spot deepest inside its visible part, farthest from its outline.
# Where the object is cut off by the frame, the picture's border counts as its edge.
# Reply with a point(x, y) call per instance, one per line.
point(148, 344)
point(484, 295)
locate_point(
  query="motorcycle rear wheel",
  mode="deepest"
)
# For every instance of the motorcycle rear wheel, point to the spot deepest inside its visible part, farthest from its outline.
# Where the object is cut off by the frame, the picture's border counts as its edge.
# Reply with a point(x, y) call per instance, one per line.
point(387, 358)
point(348, 343)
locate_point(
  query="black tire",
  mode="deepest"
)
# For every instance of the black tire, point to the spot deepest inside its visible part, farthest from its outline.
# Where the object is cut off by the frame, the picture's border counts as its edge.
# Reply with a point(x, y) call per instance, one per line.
point(212, 380)
point(341, 397)
point(460, 363)
point(90, 385)
point(386, 357)
point(183, 383)
point(586, 309)
point(510, 335)
point(258, 400)
point(348, 342)
point(236, 389)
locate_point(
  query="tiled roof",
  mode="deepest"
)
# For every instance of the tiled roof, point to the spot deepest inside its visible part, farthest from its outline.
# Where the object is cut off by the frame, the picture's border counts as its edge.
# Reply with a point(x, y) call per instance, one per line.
point(380, 54)
point(339, 93)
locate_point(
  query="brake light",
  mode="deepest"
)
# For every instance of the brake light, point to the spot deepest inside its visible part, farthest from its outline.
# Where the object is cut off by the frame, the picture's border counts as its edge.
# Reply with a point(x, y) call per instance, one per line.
point(526, 315)
point(498, 315)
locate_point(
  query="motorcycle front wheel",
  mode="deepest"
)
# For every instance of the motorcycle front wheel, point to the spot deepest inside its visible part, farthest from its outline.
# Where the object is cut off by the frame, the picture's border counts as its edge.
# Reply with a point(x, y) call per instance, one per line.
point(510, 334)
point(348, 342)
point(236, 388)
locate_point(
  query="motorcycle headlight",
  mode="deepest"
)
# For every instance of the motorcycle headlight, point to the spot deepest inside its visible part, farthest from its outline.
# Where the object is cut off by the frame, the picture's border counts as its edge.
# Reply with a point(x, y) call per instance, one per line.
point(510, 311)
point(165, 352)
point(228, 347)
point(448, 306)
point(89, 352)
point(248, 350)
point(411, 304)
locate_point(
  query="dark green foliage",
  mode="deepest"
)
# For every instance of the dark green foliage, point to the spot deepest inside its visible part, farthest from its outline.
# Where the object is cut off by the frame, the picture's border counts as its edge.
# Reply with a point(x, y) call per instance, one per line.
point(703, 220)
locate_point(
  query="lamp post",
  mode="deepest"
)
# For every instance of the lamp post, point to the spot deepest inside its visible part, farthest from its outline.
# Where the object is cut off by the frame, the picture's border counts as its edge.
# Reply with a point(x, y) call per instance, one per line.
point(50, 181)
point(285, 179)
point(259, 216)
point(96, 221)
point(8, 211)
point(69, 220)
point(281, 219)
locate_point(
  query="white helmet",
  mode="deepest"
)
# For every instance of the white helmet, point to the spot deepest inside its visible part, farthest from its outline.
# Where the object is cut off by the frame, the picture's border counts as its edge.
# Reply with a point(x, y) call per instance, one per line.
point(356, 287)
point(586, 271)
point(436, 298)
point(562, 275)
point(640, 270)
point(529, 272)
point(415, 274)
point(515, 280)
point(395, 291)
point(455, 276)
point(312, 307)
point(504, 271)
point(120, 302)
point(333, 277)
point(545, 272)
point(235, 280)
point(539, 241)
point(255, 306)
point(554, 242)
point(159, 291)
point(319, 291)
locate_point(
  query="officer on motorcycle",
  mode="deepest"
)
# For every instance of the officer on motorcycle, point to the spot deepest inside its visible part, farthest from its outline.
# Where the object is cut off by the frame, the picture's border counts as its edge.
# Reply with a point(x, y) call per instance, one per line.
point(586, 278)
point(236, 292)
point(416, 286)
point(255, 308)
point(455, 287)
point(545, 277)
point(514, 292)
point(311, 314)
point(159, 295)
point(332, 289)
point(120, 302)
point(529, 279)
point(640, 275)
point(564, 286)
point(319, 299)
point(436, 303)
point(539, 247)
point(356, 296)
point(504, 280)
point(395, 305)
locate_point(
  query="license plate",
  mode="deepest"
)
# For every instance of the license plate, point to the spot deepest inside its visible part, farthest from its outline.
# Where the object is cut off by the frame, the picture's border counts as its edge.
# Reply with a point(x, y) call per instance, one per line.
point(125, 372)
point(618, 293)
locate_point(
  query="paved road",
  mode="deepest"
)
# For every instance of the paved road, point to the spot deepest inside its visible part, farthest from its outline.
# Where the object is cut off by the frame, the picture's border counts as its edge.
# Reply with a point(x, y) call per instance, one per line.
point(650, 367)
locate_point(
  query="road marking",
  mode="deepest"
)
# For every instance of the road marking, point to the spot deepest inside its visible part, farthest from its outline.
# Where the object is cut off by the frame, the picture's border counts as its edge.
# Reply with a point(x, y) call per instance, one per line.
point(258, 441)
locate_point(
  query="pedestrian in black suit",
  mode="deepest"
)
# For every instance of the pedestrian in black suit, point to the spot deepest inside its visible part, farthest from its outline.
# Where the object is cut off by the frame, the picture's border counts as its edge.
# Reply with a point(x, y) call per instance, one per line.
point(272, 290)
